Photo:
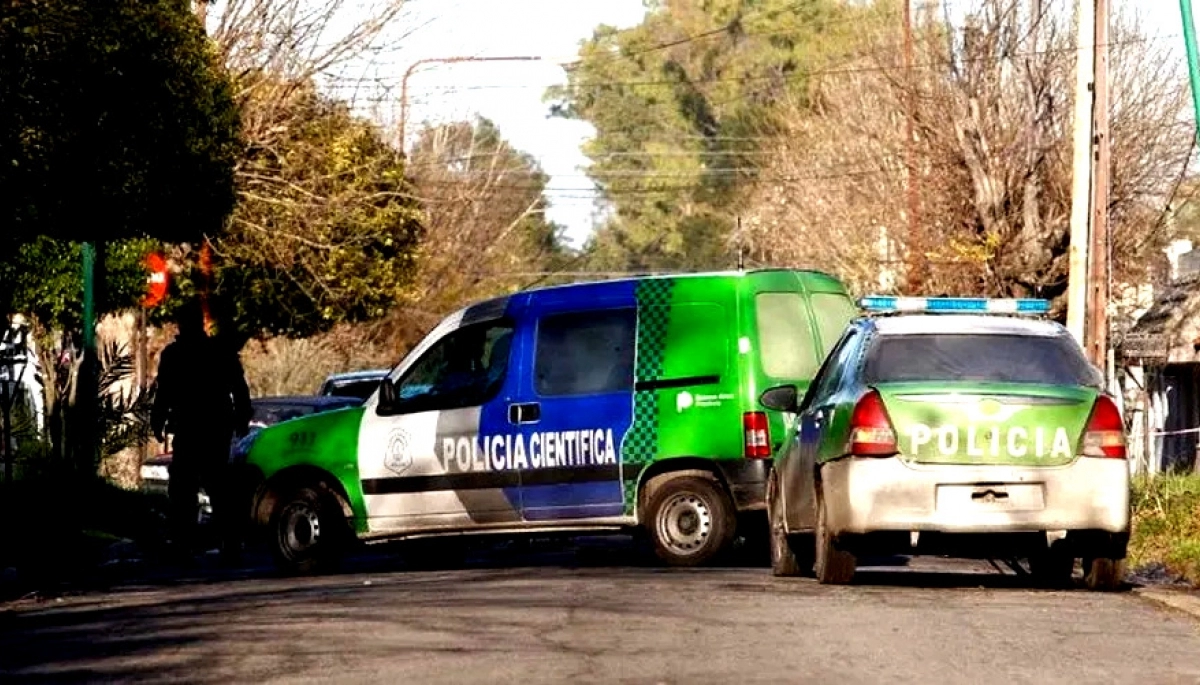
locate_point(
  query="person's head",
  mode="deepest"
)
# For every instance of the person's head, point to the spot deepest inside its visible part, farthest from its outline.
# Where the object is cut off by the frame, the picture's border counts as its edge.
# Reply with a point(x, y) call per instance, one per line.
point(190, 317)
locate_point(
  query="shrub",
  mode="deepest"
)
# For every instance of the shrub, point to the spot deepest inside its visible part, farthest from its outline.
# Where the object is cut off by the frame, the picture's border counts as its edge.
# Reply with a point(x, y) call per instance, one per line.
point(1166, 524)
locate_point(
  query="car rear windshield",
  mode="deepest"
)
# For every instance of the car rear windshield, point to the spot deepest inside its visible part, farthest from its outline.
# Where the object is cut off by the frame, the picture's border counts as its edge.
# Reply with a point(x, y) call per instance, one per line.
point(998, 358)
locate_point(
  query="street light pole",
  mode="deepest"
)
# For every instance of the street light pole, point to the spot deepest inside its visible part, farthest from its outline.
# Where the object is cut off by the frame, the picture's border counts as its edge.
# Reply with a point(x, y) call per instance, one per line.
point(444, 60)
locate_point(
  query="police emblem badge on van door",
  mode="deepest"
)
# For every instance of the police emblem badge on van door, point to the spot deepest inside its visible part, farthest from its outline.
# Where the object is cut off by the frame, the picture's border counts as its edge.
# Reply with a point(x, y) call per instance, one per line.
point(398, 458)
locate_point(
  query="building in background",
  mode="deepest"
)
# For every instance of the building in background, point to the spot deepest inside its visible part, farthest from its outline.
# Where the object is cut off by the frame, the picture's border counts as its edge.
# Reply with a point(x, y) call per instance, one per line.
point(1160, 359)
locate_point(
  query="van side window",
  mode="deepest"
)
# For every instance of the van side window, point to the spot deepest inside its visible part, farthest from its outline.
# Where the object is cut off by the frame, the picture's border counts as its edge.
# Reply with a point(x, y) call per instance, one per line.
point(585, 353)
point(785, 337)
point(832, 312)
point(464, 369)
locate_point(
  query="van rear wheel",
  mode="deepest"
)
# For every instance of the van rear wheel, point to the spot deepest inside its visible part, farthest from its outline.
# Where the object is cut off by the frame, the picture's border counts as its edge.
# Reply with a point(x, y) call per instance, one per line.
point(690, 520)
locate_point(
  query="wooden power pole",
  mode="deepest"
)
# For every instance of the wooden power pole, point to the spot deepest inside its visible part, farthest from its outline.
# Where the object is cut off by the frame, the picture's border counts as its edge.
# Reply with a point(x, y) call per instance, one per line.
point(915, 269)
point(1081, 168)
point(1099, 252)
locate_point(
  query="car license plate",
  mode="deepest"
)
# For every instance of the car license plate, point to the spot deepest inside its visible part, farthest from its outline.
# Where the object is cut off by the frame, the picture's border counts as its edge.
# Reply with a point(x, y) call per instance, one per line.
point(991, 497)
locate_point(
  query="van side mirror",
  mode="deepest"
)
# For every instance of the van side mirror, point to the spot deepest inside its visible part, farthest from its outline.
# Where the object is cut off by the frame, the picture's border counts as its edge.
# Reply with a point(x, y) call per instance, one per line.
point(780, 398)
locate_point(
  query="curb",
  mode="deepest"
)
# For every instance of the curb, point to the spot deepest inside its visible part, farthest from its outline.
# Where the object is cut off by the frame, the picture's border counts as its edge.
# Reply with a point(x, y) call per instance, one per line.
point(1187, 601)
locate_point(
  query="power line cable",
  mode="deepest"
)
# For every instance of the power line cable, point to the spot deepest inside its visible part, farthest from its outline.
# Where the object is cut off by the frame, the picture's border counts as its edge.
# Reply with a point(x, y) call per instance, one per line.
point(659, 83)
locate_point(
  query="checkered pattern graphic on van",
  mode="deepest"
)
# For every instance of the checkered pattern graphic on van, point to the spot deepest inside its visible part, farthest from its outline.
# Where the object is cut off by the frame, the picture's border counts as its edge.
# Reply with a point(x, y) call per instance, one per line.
point(641, 442)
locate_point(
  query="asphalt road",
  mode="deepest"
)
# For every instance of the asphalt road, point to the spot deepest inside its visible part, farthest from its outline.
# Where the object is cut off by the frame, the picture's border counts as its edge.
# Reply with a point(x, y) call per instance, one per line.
point(594, 614)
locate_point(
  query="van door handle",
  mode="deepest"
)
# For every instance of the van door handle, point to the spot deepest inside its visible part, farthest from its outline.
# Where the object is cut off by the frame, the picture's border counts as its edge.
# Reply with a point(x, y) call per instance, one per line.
point(530, 412)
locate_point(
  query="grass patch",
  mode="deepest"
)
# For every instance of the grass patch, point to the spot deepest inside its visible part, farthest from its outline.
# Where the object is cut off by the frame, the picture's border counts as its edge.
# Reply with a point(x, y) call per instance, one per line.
point(1166, 525)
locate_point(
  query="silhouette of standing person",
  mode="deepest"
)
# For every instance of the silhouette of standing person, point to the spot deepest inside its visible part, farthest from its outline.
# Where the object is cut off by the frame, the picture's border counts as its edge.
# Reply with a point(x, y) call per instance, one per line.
point(202, 400)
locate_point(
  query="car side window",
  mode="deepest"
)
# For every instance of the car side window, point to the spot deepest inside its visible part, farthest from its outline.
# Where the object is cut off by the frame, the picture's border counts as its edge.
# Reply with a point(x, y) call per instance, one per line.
point(464, 369)
point(833, 370)
point(585, 353)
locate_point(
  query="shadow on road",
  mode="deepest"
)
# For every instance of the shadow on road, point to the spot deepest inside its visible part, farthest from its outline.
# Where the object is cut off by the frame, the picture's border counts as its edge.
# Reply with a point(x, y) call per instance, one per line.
point(194, 625)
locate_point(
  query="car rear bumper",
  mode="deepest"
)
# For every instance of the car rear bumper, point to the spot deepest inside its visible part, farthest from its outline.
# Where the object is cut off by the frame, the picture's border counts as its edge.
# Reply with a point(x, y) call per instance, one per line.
point(870, 495)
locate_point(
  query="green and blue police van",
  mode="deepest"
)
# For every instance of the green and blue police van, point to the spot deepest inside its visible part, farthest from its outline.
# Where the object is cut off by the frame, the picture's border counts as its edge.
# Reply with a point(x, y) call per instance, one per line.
point(627, 404)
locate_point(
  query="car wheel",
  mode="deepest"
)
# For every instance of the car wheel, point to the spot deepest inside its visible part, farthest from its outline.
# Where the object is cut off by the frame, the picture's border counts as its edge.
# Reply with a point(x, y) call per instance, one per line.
point(785, 561)
point(833, 566)
point(1103, 574)
point(690, 520)
point(309, 530)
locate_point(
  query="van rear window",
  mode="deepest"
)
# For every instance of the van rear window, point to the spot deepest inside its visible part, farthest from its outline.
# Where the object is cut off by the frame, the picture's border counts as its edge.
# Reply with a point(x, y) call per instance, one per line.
point(784, 336)
point(979, 357)
point(832, 312)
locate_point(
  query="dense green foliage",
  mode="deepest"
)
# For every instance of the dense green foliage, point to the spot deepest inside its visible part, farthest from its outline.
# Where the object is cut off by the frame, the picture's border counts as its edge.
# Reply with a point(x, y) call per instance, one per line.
point(325, 231)
point(116, 121)
point(43, 278)
point(681, 104)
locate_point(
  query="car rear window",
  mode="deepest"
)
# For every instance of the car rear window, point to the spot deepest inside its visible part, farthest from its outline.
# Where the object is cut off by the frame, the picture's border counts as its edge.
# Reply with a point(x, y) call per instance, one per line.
point(998, 358)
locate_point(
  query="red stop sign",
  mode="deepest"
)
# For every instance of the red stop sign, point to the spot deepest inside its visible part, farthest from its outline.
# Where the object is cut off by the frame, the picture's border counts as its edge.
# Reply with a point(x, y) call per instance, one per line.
point(158, 280)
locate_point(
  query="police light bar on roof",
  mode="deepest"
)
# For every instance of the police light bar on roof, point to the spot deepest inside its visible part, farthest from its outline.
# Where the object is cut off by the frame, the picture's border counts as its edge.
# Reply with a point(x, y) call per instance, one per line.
point(954, 305)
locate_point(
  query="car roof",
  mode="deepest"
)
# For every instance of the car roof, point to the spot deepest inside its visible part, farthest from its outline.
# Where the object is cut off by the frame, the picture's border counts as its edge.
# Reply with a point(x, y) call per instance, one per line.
point(809, 275)
point(973, 324)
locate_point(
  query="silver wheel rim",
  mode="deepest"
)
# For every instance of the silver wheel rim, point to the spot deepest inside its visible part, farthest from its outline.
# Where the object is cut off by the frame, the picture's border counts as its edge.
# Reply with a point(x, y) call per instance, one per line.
point(302, 528)
point(684, 523)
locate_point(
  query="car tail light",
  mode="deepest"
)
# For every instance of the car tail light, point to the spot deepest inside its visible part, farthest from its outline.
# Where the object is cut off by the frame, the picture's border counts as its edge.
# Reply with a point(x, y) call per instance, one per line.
point(871, 432)
point(758, 435)
point(1105, 433)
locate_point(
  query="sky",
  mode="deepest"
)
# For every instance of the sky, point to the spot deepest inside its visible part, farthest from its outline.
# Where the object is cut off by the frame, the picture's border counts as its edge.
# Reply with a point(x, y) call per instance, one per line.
point(510, 93)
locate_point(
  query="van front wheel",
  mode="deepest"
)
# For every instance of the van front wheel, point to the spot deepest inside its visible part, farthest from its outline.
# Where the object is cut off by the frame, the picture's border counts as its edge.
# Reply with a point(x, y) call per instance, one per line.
point(308, 530)
point(690, 520)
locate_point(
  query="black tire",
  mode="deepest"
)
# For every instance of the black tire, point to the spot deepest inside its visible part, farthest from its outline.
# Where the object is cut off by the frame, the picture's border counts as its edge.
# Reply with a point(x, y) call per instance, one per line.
point(308, 530)
point(1052, 567)
point(833, 565)
point(790, 556)
point(689, 520)
point(1103, 574)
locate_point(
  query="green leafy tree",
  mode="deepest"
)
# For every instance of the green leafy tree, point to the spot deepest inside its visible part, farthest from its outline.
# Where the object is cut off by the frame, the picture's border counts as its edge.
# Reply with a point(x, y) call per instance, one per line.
point(325, 231)
point(116, 121)
point(45, 281)
point(680, 104)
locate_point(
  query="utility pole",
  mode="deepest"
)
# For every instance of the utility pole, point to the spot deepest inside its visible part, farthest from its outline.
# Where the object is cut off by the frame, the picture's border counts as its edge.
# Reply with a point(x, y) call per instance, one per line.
point(1081, 167)
point(442, 60)
point(1098, 258)
point(915, 271)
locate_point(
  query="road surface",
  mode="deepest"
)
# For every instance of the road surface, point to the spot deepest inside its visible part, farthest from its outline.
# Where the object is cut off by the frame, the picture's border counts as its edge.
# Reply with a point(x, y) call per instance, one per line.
point(593, 615)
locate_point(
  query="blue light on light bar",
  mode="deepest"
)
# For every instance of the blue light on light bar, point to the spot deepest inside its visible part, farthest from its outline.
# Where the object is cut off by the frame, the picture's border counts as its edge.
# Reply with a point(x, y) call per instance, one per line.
point(959, 305)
